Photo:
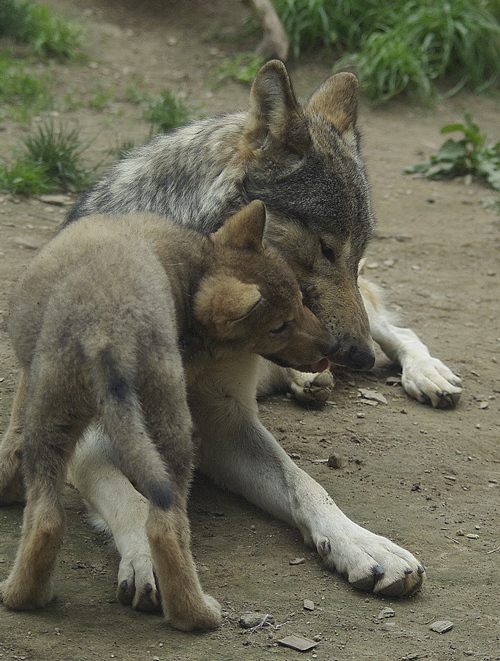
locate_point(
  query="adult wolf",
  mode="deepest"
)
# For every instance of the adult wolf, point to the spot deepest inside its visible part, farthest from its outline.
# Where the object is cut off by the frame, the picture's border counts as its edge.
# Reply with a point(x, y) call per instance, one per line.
point(304, 163)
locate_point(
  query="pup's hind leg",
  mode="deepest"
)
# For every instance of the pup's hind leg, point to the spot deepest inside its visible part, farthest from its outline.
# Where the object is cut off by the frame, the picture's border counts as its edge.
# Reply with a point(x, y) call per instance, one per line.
point(11, 449)
point(185, 605)
point(50, 432)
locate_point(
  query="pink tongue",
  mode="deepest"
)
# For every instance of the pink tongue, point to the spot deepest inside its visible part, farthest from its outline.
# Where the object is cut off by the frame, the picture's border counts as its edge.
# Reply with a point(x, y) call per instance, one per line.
point(321, 366)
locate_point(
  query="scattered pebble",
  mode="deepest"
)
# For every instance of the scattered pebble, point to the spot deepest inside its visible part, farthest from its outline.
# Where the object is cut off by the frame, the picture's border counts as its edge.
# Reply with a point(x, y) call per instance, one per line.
point(251, 620)
point(59, 200)
point(472, 536)
point(297, 561)
point(24, 242)
point(372, 395)
point(334, 461)
point(441, 626)
point(297, 643)
point(308, 605)
point(386, 612)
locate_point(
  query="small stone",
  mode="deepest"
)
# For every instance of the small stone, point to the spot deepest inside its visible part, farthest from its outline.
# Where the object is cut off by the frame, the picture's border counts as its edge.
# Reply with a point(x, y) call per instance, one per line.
point(386, 612)
point(372, 395)
point(483, 405)
point(308, 605)
point(297, 561)
point(441, 626)
point(24, 242)
point(334, 461)
point(472, 536)
point(59, 200)
point(297, 643)
point(251, 620)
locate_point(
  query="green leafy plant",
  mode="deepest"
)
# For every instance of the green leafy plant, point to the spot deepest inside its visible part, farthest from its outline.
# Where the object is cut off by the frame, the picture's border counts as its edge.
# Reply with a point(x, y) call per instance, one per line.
point(472, 154)
point(166, 113)
point(242, 68)
point(48, 34)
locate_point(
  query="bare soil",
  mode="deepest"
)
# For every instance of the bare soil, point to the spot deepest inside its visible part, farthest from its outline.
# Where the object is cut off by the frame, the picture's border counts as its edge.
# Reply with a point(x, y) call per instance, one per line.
point(429, 479)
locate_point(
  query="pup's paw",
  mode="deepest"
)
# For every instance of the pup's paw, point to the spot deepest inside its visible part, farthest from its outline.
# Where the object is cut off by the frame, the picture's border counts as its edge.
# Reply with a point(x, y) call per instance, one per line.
point(202, 616)
point(11, 479)
point(429, 381)
point(137, 584)
point(311, 388)
point(19, 597)
point(375, 564)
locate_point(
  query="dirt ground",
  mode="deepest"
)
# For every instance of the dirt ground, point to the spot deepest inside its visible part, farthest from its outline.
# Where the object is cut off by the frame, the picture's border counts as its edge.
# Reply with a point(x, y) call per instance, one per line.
point(428, 479)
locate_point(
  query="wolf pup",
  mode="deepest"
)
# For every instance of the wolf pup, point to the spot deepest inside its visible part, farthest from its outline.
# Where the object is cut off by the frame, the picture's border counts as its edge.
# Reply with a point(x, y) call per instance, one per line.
point(101, 323)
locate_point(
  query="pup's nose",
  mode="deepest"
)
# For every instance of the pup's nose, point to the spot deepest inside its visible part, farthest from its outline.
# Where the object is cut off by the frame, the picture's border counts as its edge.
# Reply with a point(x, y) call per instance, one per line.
point(359, 358)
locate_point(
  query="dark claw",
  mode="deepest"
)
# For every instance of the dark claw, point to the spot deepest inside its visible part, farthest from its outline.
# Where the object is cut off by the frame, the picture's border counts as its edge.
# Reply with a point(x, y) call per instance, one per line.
point(408, 570)
point(421, 569)
point(125, 593)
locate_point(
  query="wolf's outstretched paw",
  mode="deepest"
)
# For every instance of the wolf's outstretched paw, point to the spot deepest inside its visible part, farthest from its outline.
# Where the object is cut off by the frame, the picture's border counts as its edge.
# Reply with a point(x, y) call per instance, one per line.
point(137, 584)
point(375, 564)
point(431, 382)
point(310, 388)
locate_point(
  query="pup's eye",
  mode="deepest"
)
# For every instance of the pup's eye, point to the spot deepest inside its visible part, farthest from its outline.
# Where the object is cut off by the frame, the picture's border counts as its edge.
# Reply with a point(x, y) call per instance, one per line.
point(279, 329)
point(327, 252)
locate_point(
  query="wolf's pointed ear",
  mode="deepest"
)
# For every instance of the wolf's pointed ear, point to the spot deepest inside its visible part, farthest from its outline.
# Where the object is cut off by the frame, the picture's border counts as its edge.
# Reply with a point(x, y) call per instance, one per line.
point(337, 101)
point(274, 111)
point(221, 302)
point(245, 229)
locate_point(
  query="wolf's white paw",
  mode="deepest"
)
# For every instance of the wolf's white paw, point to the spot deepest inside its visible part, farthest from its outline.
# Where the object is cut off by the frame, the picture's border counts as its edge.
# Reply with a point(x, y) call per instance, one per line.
point(137, 584)
point(429, 381)
point(311, 388)
point(374, 564)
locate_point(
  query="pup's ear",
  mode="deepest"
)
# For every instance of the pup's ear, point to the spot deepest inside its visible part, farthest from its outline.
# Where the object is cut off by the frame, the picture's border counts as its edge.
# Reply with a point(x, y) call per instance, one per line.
point(221, 302)
point(245, 229)
point(337, 101)
point(275, 115)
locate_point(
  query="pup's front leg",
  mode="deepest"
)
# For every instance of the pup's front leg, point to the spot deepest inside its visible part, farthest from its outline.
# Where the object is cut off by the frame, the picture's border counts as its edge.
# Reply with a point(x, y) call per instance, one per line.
point(11, 450)
point(239, 453)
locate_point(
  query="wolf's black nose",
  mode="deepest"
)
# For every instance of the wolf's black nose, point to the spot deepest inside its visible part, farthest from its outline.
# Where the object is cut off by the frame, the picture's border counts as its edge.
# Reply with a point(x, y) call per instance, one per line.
point(359, 358)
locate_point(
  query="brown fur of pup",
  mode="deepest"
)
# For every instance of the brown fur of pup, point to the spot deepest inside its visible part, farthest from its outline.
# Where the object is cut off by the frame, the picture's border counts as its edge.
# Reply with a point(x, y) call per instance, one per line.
point(103, 323)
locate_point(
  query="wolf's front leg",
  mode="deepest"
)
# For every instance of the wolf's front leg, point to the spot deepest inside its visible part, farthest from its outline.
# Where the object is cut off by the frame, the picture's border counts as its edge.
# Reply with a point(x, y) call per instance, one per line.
point(119, 509)
point(425, 378)
point(240, 454)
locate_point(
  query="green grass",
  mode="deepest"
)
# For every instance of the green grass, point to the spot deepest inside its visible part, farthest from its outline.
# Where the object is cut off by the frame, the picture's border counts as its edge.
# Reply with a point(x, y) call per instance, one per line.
point(51, 162)
point(166, 113)
point(34, 24)
point(242, 68)
point(23, 91)
point(397, 46)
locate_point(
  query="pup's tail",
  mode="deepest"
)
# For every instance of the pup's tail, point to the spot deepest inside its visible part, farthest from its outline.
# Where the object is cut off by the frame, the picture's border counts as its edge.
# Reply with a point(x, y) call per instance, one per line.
point(125, 425)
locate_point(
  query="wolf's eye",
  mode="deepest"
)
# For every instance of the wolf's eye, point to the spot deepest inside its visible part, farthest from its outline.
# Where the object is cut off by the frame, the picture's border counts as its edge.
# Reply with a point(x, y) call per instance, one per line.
point(327, 252)
point(279, 329)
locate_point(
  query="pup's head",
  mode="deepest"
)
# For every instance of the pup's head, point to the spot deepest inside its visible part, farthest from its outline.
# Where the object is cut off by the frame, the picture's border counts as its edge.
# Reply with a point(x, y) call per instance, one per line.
point(251, 297)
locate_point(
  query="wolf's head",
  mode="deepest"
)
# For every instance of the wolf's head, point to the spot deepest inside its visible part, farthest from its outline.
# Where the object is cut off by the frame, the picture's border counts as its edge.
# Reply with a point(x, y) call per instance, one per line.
point(304, 163)
point(250, 297)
